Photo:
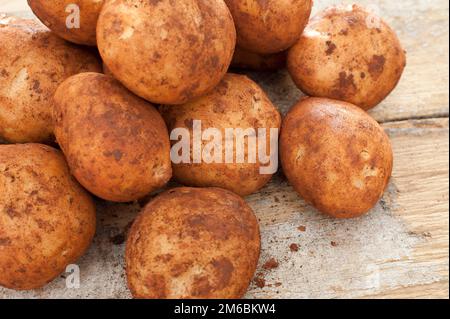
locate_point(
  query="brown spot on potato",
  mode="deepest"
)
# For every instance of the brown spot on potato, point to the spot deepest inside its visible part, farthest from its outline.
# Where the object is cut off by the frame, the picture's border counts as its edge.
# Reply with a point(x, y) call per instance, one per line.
point(117, 155)
point(331, 47)
point(376, 65)
point(224, 270)
point(201, 286)
point(156, 284)
point(5, 241)
point(180, 268)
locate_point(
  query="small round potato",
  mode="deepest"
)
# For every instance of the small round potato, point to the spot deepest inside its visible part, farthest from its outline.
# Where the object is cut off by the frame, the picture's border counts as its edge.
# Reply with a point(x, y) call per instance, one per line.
point(236, 103)
point(269, 26)
point(191, 243)
point(72, 20)
point(47, 221)
point(243, 59)
point(168, 52)
point(116, 144)
point(349, 54)
point(33, 62)
point(335, 156)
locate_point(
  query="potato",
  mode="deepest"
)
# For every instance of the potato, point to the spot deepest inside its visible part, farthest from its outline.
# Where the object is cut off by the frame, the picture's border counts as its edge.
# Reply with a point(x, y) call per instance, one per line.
point(237, 102)
point(33, 63)
point(72, 20)
point(210, 249)
point(116, 144)
point(47, 221)
point(349, 54)
point(269, 26)
point(335, 156)
point(168, 52)
point(243, 59)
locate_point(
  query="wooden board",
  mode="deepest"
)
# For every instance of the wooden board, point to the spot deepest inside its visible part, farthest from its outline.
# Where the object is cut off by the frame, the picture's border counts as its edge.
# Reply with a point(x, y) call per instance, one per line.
point(400, 250)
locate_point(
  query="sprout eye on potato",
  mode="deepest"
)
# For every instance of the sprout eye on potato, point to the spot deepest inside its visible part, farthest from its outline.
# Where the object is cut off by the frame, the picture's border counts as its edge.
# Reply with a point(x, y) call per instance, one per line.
point(236, 103)
point(193, 243)
point(347, 55)
point(168, 52)
point(33, 63)
point(72, 20)
point(270, 26)
point(336, 156)
point(47, 221)
point(116, 144)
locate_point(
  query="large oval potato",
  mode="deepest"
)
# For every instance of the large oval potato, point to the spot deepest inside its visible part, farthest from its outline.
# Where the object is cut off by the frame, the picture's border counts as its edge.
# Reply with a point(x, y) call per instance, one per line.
point(243, 59)
point(237, 102)
point(335, 156)
point(168, 52)
point(33, 63)
point(47, 221)
point(269, 26)
point(72, 20)
point(193, 243)
point(347, 53)
point(116, 144)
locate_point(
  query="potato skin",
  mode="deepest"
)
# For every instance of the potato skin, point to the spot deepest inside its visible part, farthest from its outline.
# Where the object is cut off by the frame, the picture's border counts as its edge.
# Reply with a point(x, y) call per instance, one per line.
point(53, 14)
point(210, 250)
point(243, 59)
point(47, 221)
point(269, 26)
point(33, 63)
point(167, 60)
point(335, 156)
point(116, 144)
point(340, 56)
point(237, 102)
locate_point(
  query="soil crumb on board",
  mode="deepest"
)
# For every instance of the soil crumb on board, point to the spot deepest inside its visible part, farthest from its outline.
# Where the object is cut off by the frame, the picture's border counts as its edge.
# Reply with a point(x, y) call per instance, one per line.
point(272, 263)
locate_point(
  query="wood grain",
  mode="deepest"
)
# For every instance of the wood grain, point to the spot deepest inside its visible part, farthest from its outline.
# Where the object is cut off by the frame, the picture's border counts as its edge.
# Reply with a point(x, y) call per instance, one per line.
point(400, 250)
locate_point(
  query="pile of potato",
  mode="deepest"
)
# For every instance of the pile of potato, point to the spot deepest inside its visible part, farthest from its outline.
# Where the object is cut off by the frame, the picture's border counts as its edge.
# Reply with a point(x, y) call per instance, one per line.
point(163, 65)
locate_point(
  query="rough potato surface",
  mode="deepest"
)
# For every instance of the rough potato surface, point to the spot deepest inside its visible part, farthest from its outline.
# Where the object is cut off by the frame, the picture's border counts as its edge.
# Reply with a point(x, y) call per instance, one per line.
point(347, 53)
point(58, 16)
point(168, 52)
point(335, 156)
point(33, 62)
point(47, 221)
point(116, 144)
point(237, 102)
point(210, 249)
point(269, 26)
